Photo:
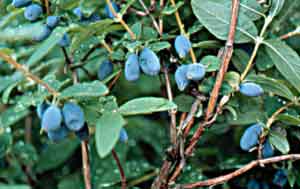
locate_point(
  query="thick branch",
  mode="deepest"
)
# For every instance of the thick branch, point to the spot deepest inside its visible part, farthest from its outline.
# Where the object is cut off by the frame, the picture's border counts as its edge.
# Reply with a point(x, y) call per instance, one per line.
point(249, 166)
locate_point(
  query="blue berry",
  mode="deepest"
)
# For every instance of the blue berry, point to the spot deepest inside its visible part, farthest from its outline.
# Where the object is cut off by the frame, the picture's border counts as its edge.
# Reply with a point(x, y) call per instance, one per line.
point(253, 184)
point(280, 178)
point(52, 118)
point(180, 77)
point(78, 13)
point(149, 62)
point(251, 89)
point(132, 68)
point(94, 17)
point(58, 134)
point(267, 150)
point(52, 21)
point(250, 137)
point(83, 133)
point(106, 68)
point(123, 135)
point(65, 41)
point(43, 35)
point(33, 12)
point(41, 108)
point(108, 13)
point(182, 46)
point(195, 72)
point(73, 116)
point(21, 3)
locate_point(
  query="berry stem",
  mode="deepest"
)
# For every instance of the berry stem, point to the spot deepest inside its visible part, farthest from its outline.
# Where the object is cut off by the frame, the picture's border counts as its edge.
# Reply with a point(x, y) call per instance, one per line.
point(121, 170)
point(291, 34)
point(155, 24)
point(120, 19)
point(27, 73)
point(182, 30)
point(47, 7)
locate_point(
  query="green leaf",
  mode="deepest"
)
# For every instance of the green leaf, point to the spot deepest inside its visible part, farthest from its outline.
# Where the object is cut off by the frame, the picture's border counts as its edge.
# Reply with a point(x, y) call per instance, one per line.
point(46, 46)
point(184, 102)
point(15, 186)
point(280, 142)
point(56, 154)
point(276, 7)
point(158, 46)
point(92, 89)
point(13, 114)
point(289, 119)
point(272, 85)
point(286, 61)
point(146, 105)
point(5, 142)
point(240, 59)
point(108, 131)
point(212, 63)
point(168, 10)
point(216, 18)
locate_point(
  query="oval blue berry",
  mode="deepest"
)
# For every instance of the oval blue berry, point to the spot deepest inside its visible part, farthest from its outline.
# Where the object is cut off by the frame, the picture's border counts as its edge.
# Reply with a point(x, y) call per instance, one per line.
point(94, 17)
point(108, 13)
point(180, 77)
point(41, 108)
point(52, 118)
point(267, 150)
point(52, 21)
point(132, 68)
point(195, 72)
point(58, 134)
point(78, 13)
point(251, 89)
point(280, 178)
point(123, 135)
point(106, 68)
point(21, 3)
point(149, 62)
point(44, 34)
point(250, 137)
point(182, 46)
point(65, 41)
point(73, 116)
point(33, 12)
point(253, 184)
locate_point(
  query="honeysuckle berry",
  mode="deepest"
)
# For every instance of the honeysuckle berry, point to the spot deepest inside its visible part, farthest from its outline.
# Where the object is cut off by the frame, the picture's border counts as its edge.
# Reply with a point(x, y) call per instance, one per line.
point(65, 41)
point(33, 12)
point(123, 135)
point(253, 184)
point(132, 68)
point(46, 31)
point(78, 13)
point(106, 68)
point(52, 118)
point(21, 3)
point(52, 21)
point(73, 116)
point(251, 89)
point(149, 62)
point(108, 13)
point(181, 78)
point(182, 45)
point(280, 178)
point(41, 108)
point(251, 136)
point(59, 134)
point(94, 17)
point(195, 72)
point(267, 150)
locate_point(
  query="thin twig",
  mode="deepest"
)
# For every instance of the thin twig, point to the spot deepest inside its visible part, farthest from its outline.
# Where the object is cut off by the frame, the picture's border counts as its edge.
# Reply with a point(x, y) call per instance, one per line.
point(120, 19)
point(27, 73)
point(161, 22)
point(47, 7)
point(226, 59)
point(121, 170)
point(244, 169)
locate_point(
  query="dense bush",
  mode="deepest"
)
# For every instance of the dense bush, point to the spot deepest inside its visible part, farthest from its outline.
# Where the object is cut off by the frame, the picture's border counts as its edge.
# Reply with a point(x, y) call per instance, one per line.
point(164, 93)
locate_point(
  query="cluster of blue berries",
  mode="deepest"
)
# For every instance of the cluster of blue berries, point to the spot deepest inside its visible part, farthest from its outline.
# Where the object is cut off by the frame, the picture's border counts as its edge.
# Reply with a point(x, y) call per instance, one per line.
point(280, 178)
point(250, 139)
point(58, 123)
